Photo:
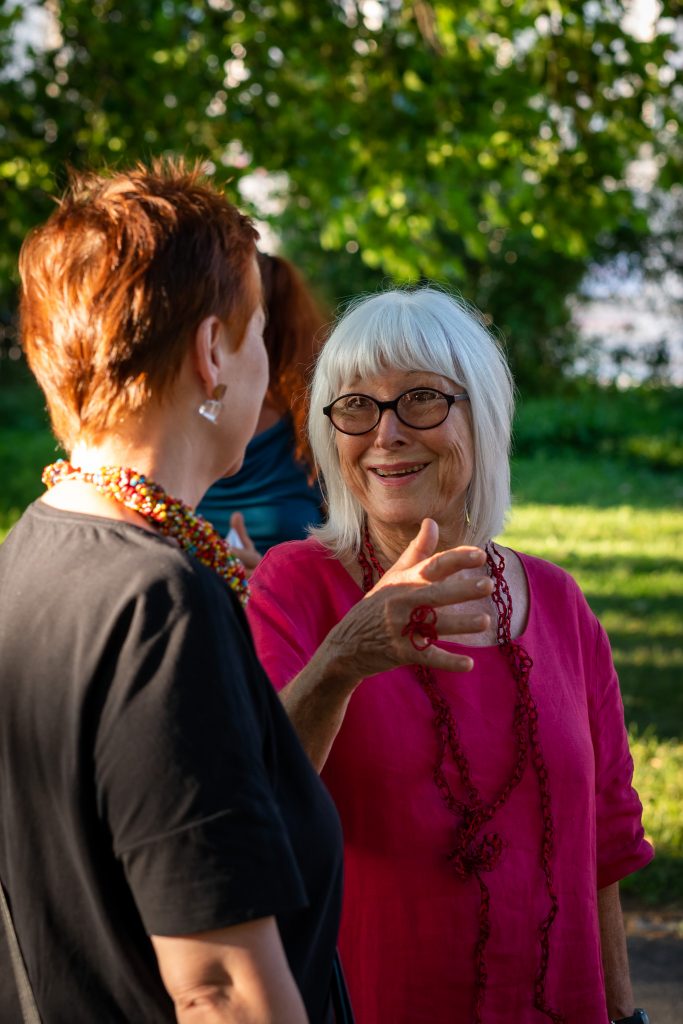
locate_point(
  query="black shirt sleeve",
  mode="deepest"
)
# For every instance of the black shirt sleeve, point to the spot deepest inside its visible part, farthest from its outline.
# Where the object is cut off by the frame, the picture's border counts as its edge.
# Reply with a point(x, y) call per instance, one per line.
point(185, 765)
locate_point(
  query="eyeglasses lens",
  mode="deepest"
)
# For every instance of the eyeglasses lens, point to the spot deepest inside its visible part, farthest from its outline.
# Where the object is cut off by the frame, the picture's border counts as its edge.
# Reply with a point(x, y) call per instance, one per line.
point(421, 408)
point(354, 414)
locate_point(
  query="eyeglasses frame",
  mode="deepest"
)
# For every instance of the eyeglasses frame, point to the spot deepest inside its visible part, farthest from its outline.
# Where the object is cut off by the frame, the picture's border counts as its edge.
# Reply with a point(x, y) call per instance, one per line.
point(393, 405)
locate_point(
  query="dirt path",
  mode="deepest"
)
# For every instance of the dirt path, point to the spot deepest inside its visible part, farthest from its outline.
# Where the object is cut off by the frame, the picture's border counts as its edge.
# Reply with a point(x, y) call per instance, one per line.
point(655, 943)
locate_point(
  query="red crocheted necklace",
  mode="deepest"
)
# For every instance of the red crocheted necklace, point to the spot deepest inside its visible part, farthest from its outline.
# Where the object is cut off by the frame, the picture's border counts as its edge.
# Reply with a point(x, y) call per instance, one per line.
point(472, 853)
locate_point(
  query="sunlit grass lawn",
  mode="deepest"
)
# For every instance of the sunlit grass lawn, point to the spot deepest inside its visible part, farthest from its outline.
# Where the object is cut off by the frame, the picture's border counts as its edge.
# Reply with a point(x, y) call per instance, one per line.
point(619, 531)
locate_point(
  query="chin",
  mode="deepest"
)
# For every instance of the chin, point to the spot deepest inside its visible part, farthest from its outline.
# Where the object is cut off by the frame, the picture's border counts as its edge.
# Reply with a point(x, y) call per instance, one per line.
point(401, 519)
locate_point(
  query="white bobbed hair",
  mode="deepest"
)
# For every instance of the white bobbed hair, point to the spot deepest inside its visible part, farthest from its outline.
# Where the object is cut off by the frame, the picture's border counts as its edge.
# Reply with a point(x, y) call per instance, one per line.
point(415, 329)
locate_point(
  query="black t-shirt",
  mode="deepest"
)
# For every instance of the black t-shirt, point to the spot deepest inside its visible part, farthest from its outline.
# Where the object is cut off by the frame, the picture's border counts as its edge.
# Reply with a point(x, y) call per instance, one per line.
point(151, 783)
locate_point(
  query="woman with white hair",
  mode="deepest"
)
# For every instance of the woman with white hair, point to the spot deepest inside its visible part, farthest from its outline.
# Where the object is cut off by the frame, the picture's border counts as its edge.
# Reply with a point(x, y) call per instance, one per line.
point(482, 773)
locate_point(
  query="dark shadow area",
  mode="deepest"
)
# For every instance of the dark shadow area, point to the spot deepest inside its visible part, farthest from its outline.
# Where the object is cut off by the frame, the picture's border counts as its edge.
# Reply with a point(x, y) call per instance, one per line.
point(661, 875)
point(615, 563)
point(22, 405)
point(643, 425)
point(573, 478)
point(27, 444)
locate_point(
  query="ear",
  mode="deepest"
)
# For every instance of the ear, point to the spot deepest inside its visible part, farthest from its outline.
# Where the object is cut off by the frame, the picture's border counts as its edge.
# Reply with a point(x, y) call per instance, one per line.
point(209, 353)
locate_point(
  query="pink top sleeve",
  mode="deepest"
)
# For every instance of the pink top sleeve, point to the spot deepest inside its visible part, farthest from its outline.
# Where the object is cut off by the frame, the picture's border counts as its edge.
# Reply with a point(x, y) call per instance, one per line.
point(621, 847)
point(284, 620)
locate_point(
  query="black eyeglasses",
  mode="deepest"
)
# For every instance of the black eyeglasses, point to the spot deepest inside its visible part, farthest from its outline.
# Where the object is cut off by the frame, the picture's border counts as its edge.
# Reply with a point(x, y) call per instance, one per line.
point(420, 408)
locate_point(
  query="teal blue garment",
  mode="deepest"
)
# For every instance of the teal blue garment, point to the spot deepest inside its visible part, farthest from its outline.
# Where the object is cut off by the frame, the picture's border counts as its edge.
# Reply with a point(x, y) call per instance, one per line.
point(271, 490)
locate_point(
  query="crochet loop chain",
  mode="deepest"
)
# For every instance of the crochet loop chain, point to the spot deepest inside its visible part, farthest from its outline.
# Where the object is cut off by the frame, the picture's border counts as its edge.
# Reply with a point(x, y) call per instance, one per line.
point(473, 853)
point(171, 516)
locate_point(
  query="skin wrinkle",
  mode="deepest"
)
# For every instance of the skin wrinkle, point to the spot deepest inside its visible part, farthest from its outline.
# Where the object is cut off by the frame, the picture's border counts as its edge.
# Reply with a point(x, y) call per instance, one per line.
point(441, 490)
point(394, 521)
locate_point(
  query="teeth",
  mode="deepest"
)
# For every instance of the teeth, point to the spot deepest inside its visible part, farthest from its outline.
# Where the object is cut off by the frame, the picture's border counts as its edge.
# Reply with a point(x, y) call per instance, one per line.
point(400, 472)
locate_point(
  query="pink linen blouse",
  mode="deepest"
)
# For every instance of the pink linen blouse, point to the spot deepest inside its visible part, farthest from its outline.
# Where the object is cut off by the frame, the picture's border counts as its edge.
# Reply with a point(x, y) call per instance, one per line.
point(409, 924)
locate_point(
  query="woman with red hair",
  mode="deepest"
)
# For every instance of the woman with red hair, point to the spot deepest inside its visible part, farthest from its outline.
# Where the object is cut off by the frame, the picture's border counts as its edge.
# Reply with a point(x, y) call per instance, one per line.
point(167, 851)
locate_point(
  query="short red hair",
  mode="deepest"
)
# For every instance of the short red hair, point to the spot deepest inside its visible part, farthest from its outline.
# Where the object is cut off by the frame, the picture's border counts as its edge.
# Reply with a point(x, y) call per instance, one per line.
point(116, 282)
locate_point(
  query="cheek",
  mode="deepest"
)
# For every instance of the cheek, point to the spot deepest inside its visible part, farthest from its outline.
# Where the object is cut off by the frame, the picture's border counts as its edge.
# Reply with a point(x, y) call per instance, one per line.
point(456, 465)
point(349, 454)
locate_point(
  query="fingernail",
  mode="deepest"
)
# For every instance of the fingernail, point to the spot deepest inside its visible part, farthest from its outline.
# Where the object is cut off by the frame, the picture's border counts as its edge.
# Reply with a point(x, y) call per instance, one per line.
point(483, 584)
point(474, 556)
point(468, 664)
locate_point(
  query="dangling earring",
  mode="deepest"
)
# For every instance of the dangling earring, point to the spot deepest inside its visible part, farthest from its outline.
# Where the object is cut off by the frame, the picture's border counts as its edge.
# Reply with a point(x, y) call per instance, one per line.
point(211, 408)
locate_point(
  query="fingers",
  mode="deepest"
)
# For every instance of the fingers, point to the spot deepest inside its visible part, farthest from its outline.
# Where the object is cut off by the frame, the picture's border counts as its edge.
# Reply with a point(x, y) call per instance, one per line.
point(243, 545)
point(250, 558)
point(421, 546)
point(425, 634)
point(456, 589)
point(452, 560)
point(443, 567)
point(419, 555)
point(237, 524)
point(449, 624)
point(452, 625)
point(448, 661)
point(383, 631)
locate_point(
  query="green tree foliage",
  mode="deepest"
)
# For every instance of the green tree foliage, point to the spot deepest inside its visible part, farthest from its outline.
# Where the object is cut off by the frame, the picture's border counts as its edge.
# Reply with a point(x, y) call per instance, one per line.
point(483, 145)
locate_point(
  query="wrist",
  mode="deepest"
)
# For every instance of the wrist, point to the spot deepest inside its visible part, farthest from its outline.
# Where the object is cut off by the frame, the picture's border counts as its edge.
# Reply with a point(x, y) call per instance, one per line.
point(339, 660)
point(637, 1017)
point(332, 669)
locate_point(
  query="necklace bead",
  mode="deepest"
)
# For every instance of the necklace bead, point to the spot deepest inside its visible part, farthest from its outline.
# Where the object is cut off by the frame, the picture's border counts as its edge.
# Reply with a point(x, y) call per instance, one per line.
point(172, 517)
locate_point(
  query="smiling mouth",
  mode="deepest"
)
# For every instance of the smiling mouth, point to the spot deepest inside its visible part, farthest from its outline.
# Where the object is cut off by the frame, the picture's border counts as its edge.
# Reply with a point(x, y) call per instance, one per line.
point(399, 472)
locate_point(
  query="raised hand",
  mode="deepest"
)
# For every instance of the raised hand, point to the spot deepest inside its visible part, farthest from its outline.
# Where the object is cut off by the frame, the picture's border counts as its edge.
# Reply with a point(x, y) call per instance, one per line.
point(376, 634)
point(245, 550)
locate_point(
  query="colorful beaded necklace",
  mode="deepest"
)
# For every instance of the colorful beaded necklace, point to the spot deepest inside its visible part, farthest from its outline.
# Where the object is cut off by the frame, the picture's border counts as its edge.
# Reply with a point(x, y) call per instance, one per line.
point(171, 516)
point(473, 853)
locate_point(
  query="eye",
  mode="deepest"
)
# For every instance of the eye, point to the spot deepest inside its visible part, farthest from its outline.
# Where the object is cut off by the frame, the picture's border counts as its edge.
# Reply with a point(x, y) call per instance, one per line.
point(354, 403)
point(422, 396)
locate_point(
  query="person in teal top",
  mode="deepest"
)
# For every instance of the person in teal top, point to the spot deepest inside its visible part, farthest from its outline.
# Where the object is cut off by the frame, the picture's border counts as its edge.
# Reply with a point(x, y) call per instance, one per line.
point(275, 497)
point(271, 491)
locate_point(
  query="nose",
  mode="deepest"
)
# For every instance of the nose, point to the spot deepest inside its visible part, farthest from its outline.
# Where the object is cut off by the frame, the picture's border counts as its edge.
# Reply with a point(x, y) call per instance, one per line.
point(389, 432)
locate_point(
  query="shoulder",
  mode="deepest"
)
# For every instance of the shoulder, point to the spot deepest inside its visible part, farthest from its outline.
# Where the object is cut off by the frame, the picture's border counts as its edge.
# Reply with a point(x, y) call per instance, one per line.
point(130, 569)
point(557, 598)
point(298, 557)
point(181, 594)
point(302, 586)
point(158, 570)
point(548, 577)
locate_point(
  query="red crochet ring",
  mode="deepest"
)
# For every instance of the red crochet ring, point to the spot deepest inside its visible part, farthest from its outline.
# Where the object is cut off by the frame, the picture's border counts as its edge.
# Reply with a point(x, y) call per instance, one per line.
point(423, 624)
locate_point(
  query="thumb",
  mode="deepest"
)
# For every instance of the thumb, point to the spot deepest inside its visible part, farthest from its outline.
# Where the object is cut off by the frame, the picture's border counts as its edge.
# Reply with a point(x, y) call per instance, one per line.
point(421, 546)
point(237, 524)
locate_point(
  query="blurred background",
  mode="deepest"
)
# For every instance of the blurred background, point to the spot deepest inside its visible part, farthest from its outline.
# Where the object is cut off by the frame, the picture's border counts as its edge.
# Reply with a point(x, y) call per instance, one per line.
point(527, 154)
